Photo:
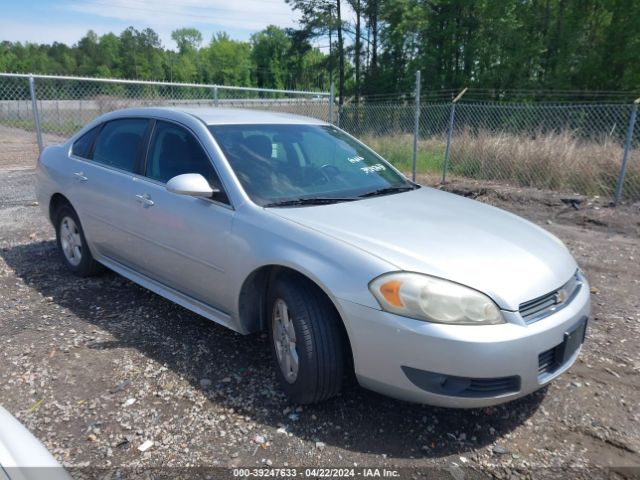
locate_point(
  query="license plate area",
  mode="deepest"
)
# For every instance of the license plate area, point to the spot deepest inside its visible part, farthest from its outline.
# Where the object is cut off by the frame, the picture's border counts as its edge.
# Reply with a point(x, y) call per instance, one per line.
point(573, 338)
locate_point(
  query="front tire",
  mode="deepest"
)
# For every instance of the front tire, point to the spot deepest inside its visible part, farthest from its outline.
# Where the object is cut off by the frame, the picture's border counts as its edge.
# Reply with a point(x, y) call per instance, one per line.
point(307, 343)
point(72, 244)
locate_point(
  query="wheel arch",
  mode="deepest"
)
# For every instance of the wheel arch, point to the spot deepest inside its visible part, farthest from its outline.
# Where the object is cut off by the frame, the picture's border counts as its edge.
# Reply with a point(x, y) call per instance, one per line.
point(55, 202)
point(252, 300)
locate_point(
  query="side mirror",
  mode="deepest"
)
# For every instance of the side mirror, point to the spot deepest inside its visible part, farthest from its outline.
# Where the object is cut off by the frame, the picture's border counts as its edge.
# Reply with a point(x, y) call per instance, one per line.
point(191, 184)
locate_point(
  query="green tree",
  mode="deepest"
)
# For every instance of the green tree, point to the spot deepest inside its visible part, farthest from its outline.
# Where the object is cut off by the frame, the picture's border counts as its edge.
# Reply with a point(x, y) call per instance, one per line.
point(228, 61)
point(87, 54)
point(108, 56)
point(358, 7)
point(269, 51)
point(187, 39)
point(308, 67)
point(324, 17)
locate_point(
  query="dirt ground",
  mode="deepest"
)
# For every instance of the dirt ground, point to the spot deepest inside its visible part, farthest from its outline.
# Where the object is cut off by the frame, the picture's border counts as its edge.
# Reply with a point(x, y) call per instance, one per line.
point(20, 147)
point(96, 367)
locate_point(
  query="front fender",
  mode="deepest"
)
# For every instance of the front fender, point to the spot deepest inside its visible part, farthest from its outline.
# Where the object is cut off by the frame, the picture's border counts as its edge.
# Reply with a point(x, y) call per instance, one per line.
point(341, 270)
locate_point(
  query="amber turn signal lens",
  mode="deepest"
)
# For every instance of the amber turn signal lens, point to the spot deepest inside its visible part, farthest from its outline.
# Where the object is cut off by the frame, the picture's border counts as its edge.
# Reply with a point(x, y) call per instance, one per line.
point(391, 292)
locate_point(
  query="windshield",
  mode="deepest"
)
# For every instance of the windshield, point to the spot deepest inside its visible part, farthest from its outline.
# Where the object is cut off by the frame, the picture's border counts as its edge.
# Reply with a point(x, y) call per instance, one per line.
point(284, 164)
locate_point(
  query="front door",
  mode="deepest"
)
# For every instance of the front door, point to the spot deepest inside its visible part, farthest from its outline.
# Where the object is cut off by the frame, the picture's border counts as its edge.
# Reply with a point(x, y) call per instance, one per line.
point(187, 243)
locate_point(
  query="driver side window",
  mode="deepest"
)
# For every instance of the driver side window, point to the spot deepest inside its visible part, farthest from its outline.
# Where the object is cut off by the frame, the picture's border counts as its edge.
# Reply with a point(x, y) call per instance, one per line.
point(174, 151)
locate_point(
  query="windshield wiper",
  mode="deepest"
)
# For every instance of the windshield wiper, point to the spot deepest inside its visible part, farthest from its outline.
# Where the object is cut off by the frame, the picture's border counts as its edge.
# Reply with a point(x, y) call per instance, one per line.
point(310, 201)
point(388, 190)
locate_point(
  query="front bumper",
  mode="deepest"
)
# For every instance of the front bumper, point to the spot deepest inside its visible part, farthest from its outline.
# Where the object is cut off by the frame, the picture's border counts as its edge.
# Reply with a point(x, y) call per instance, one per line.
point(387, 347)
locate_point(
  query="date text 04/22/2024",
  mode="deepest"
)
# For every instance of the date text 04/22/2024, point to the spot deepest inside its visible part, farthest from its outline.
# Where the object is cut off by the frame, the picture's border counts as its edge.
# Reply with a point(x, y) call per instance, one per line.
point(315, 472)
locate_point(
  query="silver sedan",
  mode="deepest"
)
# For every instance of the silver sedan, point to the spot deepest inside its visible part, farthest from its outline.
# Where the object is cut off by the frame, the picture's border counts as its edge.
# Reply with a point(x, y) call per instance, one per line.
point(266, 221)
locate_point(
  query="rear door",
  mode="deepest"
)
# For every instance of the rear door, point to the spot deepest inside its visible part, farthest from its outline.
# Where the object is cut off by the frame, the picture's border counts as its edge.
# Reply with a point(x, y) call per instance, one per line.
point(187, 243)
point(103, 190)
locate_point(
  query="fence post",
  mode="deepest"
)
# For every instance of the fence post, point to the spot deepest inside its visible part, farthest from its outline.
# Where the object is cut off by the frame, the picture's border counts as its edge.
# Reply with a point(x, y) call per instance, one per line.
point(331, 101)
point(445, 167)
point(215, 95)
point(627, 147)
point(36, 115)
point(452, 117)
point(416, 128)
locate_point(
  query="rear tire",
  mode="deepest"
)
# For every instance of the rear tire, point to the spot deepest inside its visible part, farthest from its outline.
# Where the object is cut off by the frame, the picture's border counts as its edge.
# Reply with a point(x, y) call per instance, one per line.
point(307, 343)
point(72, 244)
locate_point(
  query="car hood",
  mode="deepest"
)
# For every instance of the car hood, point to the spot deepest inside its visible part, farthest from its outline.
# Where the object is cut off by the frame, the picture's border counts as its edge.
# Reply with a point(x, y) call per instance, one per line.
point(448, 236)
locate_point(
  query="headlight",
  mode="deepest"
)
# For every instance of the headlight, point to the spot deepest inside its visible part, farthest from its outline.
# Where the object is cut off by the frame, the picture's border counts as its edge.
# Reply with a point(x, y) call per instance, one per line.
point(434, 300)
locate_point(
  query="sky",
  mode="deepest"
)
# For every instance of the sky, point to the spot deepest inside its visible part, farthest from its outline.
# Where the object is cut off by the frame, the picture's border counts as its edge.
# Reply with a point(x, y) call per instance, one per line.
point(66, 21)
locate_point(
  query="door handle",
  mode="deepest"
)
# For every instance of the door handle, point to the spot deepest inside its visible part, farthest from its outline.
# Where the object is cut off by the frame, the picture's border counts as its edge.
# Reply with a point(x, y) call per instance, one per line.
point(80, 176)
point(145, 200)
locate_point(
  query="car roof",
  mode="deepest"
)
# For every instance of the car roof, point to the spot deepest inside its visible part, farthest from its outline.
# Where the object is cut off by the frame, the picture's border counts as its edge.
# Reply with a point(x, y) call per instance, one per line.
point(226, 116)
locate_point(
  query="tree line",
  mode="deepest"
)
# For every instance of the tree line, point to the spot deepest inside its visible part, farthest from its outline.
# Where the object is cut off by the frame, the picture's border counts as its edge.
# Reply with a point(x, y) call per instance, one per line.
point(491, 46)
point(273, 58)
point(376, 46)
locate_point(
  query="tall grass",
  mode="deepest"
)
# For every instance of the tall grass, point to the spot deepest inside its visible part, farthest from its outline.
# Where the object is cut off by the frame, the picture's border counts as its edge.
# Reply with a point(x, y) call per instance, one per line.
point(556, 161)
point(398, 149)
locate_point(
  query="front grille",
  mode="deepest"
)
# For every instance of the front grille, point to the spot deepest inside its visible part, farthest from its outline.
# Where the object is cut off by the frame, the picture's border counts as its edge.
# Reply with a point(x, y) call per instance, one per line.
point(541, 307)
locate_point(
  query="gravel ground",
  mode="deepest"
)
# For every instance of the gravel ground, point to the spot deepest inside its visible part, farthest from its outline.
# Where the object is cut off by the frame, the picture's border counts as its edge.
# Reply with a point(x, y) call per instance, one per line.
point(17, 188)
point(96, 368)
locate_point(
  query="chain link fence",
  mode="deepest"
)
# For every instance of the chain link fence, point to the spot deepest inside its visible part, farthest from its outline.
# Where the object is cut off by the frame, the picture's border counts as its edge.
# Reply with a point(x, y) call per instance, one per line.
point(573, 148)
point(390, 129)
point(65, 104)
point(569, 148)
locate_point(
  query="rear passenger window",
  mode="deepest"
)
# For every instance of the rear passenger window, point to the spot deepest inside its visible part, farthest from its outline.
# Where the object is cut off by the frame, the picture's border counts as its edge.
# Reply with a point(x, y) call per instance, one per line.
point(119, 144)
point(82, 147)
